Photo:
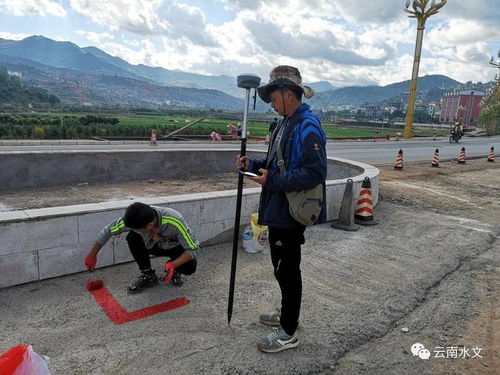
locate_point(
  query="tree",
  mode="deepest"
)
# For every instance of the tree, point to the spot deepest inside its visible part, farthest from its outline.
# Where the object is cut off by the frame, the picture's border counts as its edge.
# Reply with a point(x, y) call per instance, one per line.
point(490, 111)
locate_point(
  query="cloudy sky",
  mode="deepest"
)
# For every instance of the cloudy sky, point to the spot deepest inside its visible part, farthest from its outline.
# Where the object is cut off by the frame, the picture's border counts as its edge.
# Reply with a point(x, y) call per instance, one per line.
point(345, 42)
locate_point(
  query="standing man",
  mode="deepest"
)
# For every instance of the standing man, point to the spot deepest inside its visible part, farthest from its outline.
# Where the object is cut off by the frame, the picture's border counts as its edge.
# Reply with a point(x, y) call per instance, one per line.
point(151, 230)
point(302, 141)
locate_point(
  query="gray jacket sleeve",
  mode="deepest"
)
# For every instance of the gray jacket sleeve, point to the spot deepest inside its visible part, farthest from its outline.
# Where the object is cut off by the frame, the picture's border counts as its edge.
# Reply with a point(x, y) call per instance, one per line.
point(114, 228)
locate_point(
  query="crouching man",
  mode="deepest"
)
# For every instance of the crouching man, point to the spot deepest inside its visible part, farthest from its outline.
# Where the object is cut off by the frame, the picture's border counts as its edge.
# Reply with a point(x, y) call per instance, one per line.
point(156, 231)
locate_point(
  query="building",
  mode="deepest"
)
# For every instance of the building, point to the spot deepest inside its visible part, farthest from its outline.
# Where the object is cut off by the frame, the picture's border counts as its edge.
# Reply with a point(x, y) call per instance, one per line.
point(372, 110)
point(461, 106)
point(434, 110)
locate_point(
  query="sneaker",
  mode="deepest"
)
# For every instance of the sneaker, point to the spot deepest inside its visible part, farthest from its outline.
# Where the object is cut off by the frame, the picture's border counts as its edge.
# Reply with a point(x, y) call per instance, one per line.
point(178, 279)
point(271, 318)
point(277, 341)
point(145, 280)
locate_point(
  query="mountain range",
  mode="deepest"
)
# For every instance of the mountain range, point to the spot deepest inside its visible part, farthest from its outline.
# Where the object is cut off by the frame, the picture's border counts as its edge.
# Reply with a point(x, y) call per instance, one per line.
point(431, 86)
point(91, 76)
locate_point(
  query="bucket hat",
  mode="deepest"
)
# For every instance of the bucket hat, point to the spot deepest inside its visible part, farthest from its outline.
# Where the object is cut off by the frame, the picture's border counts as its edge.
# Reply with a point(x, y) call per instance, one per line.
point(283, 76)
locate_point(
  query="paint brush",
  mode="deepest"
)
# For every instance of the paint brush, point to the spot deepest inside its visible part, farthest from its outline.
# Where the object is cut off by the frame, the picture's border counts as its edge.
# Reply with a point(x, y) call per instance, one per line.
point(94, 284)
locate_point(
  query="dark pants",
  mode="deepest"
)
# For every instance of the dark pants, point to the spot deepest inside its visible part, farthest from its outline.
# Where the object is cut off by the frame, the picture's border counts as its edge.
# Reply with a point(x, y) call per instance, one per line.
point(285, 255)
point(142, 255)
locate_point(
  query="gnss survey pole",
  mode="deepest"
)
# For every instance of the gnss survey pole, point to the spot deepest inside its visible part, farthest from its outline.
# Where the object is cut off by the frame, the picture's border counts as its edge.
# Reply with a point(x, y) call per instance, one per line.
point(247, 82)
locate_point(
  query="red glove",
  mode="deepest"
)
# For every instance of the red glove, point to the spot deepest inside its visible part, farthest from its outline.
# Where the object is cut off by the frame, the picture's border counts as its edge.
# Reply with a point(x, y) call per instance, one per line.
point(169, 272)
point(90, 262)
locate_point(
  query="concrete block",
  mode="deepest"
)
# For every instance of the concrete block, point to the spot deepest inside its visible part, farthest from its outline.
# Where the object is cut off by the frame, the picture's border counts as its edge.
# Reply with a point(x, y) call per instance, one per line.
point(61, 211)
point(116, 205)
point(207, 231)
point(170, 199)
point(55, 232)
point(10, 216)
point(190, 211)
point(12, 240)
point(90, 225)
point(218, 209)
point(250, 204)
point(64, 260)
point(18, 268)
point(121, 252)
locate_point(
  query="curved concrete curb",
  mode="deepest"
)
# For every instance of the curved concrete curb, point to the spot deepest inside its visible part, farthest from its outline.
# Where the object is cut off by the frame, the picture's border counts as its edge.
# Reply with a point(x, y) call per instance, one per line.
point(54, 240)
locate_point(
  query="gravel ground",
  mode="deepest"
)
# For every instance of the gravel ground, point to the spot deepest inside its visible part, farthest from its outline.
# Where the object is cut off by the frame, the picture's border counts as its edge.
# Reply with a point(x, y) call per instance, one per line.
point(83, 192)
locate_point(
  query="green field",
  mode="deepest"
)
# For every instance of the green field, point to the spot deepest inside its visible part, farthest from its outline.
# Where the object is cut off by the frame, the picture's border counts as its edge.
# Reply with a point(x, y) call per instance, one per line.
point(78, 126)
point(260, 129)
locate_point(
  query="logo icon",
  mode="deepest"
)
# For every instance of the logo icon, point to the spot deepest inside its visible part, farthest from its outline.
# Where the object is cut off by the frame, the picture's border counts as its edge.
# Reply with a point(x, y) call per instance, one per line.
point(424, 353)
point(419, 350)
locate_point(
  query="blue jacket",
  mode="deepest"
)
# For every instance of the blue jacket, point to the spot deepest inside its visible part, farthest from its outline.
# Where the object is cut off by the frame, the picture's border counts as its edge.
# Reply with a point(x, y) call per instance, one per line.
point(303, 146)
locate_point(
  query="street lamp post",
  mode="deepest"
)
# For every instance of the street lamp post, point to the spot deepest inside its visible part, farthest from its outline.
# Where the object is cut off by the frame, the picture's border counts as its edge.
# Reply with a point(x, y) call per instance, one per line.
point(421, 14)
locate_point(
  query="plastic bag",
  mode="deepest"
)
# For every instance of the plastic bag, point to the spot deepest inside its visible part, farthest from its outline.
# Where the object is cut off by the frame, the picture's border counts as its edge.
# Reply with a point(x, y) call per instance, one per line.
point(255, 236)
point(22, 360)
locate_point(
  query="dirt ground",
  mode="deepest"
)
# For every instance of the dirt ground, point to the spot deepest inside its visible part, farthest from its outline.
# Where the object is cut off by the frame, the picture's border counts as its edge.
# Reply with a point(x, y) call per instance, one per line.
point(83, 193)
point(472, 192)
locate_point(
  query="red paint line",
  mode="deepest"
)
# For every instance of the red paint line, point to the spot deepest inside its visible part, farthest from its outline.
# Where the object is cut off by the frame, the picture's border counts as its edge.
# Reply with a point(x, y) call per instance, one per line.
point(118, 315)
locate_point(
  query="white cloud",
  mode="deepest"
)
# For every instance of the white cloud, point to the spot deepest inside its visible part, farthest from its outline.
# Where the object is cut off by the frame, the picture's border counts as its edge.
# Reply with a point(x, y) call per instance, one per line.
point(32, 8)
point(11, 36)
point(462, 31)
point(345, 42)
point(95, 37)
point(135, 16)
point(185, 22)
point(473, 10)
point(371, 11)
point(142, 52)
point(148, 18)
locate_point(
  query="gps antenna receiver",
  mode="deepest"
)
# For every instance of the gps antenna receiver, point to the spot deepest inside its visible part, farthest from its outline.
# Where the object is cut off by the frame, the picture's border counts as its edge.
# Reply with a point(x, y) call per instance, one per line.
point(248, 81)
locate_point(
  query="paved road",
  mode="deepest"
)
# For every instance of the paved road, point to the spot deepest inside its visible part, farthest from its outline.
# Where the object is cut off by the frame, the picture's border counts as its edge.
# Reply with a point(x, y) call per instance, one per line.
point(379, 152)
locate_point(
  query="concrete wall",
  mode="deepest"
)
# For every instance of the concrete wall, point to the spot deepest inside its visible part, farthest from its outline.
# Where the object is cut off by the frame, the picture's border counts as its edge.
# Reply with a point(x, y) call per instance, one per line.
point(43, 243)
point(40, 169)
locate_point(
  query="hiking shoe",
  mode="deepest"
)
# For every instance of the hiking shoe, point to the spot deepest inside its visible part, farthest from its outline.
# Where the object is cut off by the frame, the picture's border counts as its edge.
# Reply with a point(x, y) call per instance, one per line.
point(277, 341)
point(178, 279)
point(145, 280)
point(271, 318)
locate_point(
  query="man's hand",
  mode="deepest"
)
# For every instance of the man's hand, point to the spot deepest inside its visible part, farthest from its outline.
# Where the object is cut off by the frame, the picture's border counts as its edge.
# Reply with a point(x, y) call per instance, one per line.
point(260, 179)
point(169, 272)
point(242, 162)
point(157, 238)
point(90, 261)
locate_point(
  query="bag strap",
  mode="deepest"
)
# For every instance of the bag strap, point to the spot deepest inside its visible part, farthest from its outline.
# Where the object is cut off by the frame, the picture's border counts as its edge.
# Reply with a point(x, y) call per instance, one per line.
point(277, 136)
point(279, 153)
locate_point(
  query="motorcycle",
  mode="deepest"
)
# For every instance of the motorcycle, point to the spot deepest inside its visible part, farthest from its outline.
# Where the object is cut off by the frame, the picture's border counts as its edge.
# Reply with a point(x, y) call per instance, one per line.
point(454, 137)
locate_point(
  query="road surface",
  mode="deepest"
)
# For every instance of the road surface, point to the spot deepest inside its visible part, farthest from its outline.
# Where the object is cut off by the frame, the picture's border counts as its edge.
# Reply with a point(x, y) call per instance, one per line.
point(372, 152)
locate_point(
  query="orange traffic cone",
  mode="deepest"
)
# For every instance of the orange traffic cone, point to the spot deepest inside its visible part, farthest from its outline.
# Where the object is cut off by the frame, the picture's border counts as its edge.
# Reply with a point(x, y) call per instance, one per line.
point(153, 138)
point(364, 208)
point(491, 155)
point(435, 159)
point(461, 156)
point(399, 160)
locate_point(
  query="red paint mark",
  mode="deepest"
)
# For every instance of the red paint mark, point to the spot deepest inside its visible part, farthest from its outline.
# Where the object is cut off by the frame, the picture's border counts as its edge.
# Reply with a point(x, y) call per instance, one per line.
point(118, 315)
